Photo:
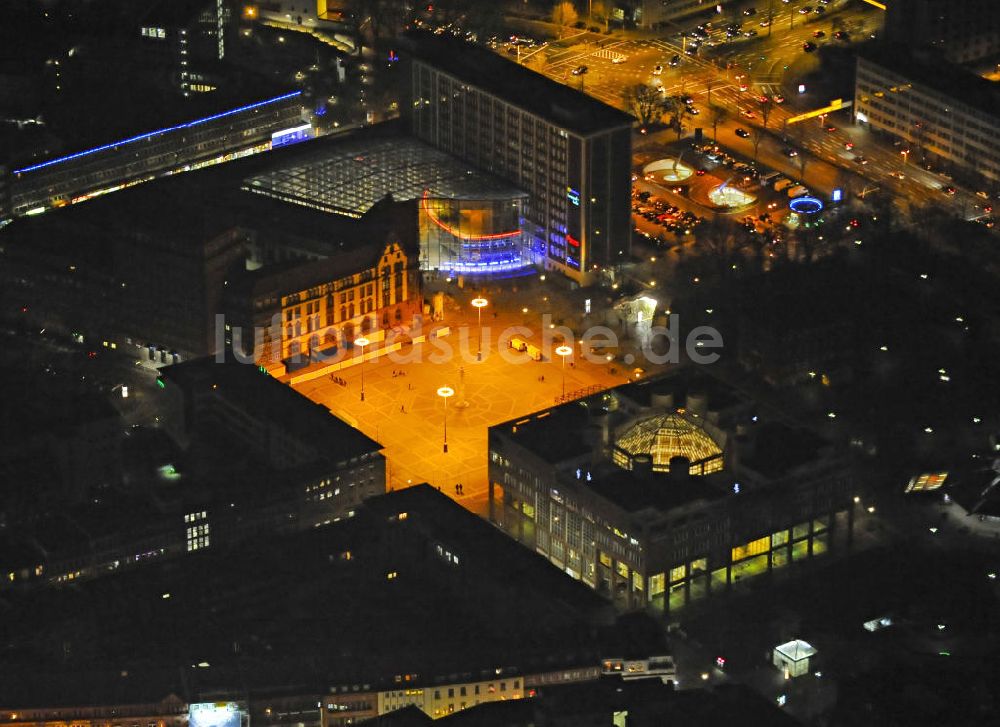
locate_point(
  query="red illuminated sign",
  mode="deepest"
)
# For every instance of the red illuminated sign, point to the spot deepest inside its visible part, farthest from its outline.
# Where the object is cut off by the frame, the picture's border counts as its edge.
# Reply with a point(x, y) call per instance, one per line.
point(572, 241)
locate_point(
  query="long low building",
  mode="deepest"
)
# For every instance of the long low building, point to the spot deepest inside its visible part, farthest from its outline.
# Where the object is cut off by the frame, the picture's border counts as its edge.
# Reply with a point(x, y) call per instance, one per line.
point(229, 134)
point(662, 492)
point(941, 110)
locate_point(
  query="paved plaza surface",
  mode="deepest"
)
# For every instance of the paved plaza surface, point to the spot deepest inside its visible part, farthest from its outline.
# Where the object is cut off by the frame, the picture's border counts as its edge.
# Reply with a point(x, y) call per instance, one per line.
point(403, 411)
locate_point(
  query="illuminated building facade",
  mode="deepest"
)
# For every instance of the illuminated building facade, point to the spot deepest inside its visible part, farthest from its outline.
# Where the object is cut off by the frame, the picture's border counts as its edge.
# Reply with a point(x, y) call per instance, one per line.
point(221, 137)
point(470, 222)
point(942, 111)
point(189, 36)
point(324, 305)
point(569, 152)
point(659, 493)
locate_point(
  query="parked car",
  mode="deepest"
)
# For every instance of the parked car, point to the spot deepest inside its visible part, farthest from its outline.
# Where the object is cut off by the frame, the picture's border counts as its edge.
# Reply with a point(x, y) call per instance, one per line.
point(742, 133)
point(579, 70)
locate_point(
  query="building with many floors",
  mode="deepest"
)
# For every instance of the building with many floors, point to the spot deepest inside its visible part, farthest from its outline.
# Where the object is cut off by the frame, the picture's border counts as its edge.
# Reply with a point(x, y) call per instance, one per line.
point(962, 32)
point(662, 492)
point(942, 111)
point(571, 153)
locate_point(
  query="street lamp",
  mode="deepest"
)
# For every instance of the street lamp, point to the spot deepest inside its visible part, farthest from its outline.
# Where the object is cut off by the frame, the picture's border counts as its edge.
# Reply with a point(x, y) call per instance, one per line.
point(564, 351)
point(906, 156)
point(362, 342)
point(479, 304)
point(444, 392)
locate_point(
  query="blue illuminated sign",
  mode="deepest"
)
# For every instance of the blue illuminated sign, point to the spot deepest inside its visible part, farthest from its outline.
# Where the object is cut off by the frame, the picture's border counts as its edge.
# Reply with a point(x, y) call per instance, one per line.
point(838, 195)
point(573, 196)
point(151, 134)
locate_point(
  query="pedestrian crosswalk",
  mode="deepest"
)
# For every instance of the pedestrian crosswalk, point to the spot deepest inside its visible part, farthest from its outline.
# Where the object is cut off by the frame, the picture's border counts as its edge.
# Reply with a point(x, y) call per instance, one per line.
point(609, 54)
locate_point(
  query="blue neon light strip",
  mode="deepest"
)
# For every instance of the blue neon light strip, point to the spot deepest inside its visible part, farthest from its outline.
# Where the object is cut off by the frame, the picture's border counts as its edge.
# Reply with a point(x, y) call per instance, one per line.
point(151, 134)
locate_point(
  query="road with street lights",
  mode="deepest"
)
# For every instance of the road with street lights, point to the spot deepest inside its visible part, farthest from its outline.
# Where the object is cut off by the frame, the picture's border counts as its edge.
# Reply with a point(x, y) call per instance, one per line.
point(733, 73)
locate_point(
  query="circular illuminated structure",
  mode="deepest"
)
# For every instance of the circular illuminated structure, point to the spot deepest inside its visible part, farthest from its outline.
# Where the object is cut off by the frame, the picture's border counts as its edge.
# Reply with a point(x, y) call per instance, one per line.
point(479, 302)
point(806, 205)
point(564, 351)
point(445, 392)
point(727, 197)
point(668, 170)
point(361, 341)
point(661, 438)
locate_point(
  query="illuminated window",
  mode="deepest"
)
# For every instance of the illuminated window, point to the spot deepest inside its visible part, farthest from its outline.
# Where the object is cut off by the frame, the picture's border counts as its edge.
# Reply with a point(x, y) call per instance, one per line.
point(622, 569)
point(678, 573)
point(656, 584)
point(605, 559)
point(754, 547)
point(699, 566)
point(391, 575)
point(927, 482)
point(779, 538)
point(800, 531)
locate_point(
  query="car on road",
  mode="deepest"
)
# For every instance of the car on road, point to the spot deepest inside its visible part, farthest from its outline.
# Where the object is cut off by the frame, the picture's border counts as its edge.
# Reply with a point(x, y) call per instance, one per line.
point(749, 33)
point(790, 152)
point(805, 10)
point(778, 98)
point(820, 11)
point(861, 160)
point(747, 113)
point(700, 172)
point(983, 194)
point(579, 70)
point(782, 183)
point(658, 70)
point(830, 129)
point(819, 34)
point(749, 11)
point(764, 23)
point(691, 110)
point(897, 175)
point(744, 87)
point(841, 35)
point(692, 50)
point(742, 133)
point(675, 61)
point(619, 59)
point(687, 100)
point(950, 191)
point(809, 46)
point(848, 145)
point(797, 191)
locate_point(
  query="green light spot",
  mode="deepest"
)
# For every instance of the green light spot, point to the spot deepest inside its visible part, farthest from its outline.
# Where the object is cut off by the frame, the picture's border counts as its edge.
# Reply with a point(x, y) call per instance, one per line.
point(161, 384)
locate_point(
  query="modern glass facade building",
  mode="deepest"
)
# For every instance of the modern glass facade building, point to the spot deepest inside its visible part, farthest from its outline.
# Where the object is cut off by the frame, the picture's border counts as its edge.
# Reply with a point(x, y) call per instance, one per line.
point(568, 151)
point(470, 222)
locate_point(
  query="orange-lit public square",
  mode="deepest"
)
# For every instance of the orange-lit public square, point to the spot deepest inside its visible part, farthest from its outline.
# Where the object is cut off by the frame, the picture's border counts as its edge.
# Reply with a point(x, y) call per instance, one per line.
point(403, 410)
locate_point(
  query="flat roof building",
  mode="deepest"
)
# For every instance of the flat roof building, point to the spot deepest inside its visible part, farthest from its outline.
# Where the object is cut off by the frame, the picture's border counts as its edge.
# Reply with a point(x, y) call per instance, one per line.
point(570, 152)
point(661, 492)
point(943, 111)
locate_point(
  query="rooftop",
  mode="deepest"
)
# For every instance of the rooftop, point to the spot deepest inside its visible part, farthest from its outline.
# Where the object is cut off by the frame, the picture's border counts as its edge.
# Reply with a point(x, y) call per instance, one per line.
point(269, 400)
point(931, 70)
point(347, 175)
point(558, 104)
point(353, 599)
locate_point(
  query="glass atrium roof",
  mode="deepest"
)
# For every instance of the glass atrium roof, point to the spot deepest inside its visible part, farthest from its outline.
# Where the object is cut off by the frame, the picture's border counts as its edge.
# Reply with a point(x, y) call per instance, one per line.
point(348, 178)
point(666, 436)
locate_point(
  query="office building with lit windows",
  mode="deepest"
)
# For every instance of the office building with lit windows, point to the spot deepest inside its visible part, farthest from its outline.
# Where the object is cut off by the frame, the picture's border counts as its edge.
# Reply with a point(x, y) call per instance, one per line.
point(229, 134)
point(571, 153)
point(662, 492)
point(944, 112)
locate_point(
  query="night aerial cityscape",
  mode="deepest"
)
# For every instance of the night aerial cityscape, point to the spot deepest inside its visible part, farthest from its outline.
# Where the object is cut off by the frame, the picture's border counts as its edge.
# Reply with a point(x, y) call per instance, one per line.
point(502, 363)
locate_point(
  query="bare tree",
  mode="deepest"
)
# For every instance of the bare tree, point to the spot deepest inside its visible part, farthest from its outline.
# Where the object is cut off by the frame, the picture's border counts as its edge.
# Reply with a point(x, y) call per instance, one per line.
point(756, 136)
point(719, 116)
point(564, 15)
point(603, 9)
point(644, 102)
point(765, 110)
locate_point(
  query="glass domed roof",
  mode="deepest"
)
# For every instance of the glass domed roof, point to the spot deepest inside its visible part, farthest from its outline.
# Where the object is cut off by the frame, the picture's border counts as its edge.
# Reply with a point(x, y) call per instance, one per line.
point(669, 435)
